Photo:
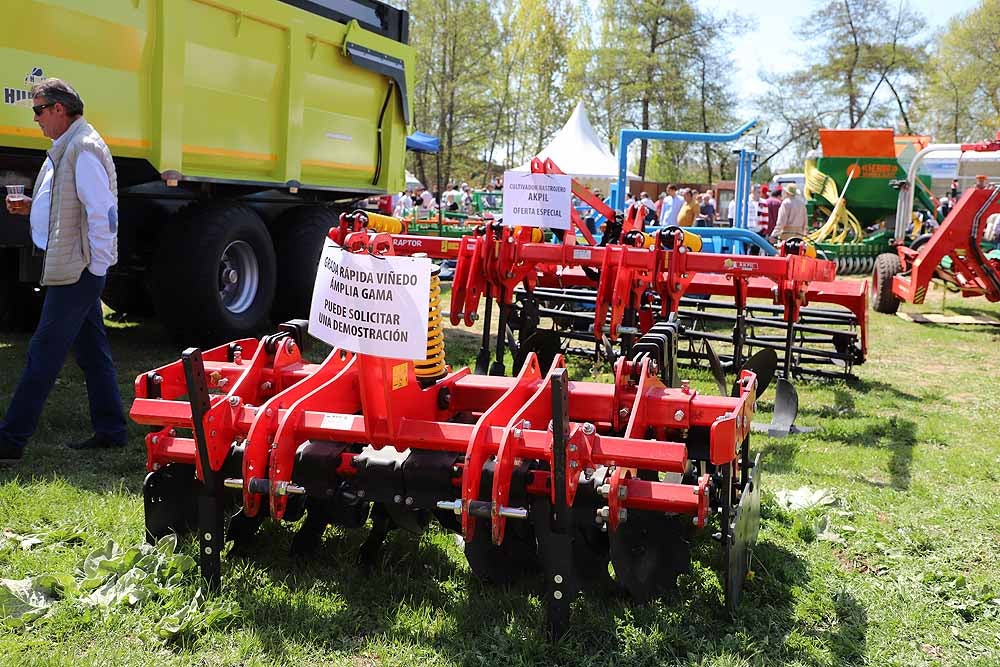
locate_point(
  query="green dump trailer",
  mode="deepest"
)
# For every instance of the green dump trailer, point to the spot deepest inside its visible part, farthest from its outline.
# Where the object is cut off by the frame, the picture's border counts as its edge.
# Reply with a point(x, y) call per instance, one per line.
point(240, 128)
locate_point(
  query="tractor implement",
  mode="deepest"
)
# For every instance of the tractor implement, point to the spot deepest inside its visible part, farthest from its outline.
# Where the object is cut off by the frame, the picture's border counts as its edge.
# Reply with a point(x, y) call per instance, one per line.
point(954, 254)
point(628, 285)
point(538, 473)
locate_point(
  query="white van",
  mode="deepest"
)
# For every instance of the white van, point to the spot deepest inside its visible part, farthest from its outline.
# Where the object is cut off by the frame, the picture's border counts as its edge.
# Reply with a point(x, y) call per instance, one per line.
point(784, 179)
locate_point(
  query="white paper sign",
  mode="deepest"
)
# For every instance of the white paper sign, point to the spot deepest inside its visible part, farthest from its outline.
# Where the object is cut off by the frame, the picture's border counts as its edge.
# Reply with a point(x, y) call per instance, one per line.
point(536, 200)
point(371, 305)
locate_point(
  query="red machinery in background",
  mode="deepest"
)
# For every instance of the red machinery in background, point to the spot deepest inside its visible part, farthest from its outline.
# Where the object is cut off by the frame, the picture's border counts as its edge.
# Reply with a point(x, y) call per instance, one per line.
point(954, 253)
point(640, 280)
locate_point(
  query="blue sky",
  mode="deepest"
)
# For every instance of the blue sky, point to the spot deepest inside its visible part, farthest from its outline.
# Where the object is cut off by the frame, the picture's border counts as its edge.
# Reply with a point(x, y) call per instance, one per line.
point(775, 48)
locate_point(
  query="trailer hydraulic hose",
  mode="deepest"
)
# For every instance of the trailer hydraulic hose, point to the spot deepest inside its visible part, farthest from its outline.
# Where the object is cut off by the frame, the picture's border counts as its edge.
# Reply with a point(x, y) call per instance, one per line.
point(378, 137)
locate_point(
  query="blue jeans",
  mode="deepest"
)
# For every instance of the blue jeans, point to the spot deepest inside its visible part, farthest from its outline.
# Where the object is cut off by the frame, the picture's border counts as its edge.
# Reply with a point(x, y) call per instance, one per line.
point(71, 317)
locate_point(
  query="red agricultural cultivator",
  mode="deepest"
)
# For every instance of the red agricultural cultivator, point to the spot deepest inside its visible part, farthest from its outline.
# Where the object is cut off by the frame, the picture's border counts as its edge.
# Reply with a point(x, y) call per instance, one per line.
point(538, 473)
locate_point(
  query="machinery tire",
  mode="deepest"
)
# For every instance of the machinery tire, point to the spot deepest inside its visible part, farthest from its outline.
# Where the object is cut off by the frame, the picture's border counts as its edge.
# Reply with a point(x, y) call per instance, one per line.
point(129, 285)
point(300, 244)
point(883, 300)
point(920, 241)
point(126, 295)
point(215, 272)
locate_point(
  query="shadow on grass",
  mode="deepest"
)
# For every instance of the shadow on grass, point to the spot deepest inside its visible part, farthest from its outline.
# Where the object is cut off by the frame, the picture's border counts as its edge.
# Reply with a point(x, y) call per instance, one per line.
point(420, 598)
point(989, 313)
point(849, 640)
point(897, 435)
point(873, 386)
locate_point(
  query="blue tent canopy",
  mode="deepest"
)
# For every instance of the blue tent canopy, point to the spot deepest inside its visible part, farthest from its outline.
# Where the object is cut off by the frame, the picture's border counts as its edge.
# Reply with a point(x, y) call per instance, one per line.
point(423, 143)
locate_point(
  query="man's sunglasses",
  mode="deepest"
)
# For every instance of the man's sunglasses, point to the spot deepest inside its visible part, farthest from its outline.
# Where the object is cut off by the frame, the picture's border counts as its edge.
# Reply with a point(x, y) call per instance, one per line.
point(39, 108)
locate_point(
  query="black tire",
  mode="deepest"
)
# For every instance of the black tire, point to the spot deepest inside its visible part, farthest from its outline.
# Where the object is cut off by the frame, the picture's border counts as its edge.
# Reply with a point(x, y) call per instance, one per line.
point(127, 291)
point(920, 241)
point(883, 300)
point(214, 275)
point(20, 303)
point(300, 231)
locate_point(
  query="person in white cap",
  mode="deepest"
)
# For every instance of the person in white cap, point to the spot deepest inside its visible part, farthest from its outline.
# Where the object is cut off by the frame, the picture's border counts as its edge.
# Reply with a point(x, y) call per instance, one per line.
point(792, 220)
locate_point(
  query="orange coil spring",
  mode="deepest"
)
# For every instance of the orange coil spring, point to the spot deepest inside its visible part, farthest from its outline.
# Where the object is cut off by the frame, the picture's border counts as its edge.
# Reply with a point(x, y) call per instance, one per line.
point(433, 368)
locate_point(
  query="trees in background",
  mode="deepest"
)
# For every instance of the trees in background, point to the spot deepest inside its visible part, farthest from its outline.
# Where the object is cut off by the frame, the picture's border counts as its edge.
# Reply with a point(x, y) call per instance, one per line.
point(961, 98)
point(865, 64)
point(495, 80)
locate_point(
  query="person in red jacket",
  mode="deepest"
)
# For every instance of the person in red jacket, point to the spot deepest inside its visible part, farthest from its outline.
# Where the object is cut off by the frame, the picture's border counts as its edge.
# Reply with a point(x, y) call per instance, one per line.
point(773, 204)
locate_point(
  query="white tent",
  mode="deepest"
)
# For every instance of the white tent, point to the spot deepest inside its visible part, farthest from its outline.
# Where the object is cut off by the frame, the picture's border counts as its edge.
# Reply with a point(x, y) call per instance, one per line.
point(412, 182)
point(577, 150)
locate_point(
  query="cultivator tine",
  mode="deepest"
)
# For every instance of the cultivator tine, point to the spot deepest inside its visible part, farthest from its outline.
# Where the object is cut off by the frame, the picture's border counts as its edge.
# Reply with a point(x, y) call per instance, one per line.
point(210, 514)
point(483, 357)
point(552, 522)
point(498, 366)
point(372, 546)
point(786, 409)
point(309, 536)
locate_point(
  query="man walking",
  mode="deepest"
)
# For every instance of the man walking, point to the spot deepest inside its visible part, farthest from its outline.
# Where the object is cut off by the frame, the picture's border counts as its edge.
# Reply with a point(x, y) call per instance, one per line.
point(792, 219)
point(74, 219)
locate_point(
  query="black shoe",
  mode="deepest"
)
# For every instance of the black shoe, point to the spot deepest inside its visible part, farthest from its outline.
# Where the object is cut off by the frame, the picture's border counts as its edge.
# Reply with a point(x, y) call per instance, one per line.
point(98, 441)
point(9, 454)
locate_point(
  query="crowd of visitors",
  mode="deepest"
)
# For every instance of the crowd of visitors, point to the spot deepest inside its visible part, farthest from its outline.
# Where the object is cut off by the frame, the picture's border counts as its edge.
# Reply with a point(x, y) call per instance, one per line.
point(687, 207)
point(776, 214)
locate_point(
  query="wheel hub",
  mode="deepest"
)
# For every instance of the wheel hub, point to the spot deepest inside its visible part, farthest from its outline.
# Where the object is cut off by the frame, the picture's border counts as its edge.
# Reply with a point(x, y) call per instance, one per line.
point(239, 277)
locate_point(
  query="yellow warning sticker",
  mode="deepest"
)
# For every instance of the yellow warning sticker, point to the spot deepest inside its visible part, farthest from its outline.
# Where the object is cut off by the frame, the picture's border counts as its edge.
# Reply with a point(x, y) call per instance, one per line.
point(400, 376)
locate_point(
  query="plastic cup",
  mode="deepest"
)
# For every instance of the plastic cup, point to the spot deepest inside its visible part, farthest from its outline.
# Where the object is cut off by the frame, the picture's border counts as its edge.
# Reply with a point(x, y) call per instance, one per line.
point(15, 192)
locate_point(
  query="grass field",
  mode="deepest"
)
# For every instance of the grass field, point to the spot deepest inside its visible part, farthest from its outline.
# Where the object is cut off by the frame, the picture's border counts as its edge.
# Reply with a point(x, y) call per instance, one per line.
point(901, 570)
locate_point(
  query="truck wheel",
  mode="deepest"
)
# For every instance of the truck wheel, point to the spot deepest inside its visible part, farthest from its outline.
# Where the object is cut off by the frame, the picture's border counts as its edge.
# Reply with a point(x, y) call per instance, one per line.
point(213, 279)
point(128, 289)
point(300, 244)
point(126, 295)
point(20, 303)
point(883, 300)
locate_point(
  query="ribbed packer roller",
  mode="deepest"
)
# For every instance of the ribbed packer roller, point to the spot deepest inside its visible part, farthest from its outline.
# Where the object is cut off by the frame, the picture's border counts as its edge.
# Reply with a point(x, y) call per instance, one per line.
point(546, 479)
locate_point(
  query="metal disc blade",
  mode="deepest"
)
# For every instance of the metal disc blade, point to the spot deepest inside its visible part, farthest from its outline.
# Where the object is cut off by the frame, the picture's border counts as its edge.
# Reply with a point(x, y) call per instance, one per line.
point(739, 542)
point(507, 563)
point(716, 365)
point(764, 364)
point(649, 551)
